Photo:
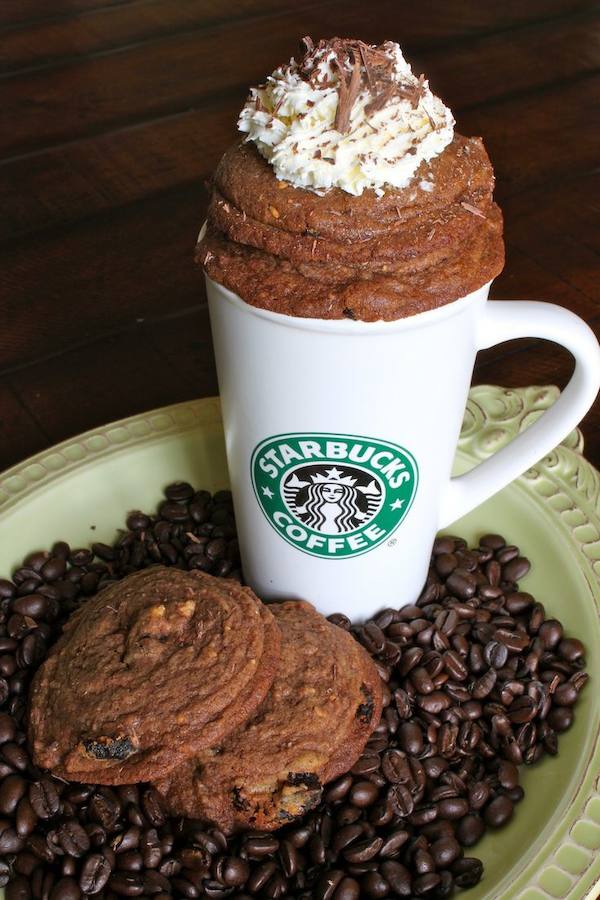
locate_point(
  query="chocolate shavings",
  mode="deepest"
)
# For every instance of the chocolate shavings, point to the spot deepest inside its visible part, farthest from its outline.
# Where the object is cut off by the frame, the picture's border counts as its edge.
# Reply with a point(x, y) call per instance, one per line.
point(473, 209)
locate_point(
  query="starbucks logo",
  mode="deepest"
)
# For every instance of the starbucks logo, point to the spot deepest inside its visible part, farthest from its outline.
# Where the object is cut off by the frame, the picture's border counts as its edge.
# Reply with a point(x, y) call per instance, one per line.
point(333, 495)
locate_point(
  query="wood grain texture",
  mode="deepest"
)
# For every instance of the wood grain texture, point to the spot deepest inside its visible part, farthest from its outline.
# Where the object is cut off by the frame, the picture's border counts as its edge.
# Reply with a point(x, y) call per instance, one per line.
point(102, 272)
point(76, 180)
point(113, 112)
point(171, 74)
point(21, 435)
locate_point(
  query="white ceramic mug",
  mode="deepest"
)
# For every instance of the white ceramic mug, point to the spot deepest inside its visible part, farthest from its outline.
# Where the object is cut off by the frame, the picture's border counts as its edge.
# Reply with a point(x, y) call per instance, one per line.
point(341, 437)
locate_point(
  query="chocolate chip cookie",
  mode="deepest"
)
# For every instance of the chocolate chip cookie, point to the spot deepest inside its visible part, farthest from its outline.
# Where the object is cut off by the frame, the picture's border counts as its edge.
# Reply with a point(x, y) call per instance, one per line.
point(313, 725)
point(158, 666)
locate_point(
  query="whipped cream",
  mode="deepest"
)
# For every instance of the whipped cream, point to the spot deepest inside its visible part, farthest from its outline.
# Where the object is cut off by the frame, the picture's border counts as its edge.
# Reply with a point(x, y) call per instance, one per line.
point(348, 115)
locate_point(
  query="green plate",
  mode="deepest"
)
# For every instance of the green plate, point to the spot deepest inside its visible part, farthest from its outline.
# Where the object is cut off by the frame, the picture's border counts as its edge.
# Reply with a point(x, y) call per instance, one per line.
point(81, 490)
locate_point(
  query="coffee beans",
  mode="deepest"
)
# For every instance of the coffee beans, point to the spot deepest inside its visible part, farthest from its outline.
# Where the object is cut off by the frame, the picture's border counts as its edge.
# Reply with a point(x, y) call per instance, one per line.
point(476, 681)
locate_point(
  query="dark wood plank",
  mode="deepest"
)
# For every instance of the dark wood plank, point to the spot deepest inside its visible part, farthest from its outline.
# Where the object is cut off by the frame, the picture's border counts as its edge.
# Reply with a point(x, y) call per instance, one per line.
point(464, 19)
point(557, 225)
point(116, 27)
point(21, 434)
point(116, 377)
point(531, 139)
point(478, 71)
point(170, 75)
point(73, 181)
point(20, 12)
point(102, 273)
point(100, 276)
point(525, 278)
point(110, 170)
point(118, 169)
point(185, 343)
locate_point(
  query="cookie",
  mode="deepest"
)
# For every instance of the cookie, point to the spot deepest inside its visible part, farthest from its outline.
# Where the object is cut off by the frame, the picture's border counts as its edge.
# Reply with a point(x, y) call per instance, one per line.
point(334, 255)
point(155, 667)
point(324, 703)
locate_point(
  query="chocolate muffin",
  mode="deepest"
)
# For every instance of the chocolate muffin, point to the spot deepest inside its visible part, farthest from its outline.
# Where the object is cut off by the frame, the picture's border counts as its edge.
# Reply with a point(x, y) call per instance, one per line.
point(156, 667)
point(352, 196)
point(324, 703)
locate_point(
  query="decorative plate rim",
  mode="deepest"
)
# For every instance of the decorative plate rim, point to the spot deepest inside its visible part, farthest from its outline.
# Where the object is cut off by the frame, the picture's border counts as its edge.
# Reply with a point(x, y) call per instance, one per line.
point(568, 860)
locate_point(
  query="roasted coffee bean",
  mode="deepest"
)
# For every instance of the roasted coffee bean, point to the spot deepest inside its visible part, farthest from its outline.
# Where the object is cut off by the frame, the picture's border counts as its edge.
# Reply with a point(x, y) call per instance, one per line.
point(94, 875)
point(565, 694)
point(367, 763)
point(260, 846)
point(435, 702)
point(65, 889)
point(522, 709)
point(363, 793)
point(476, 681)
point(152, 807)
point(515, 569)
point(425, 884)
point(105, 809)
point(130, 862)
point(289, 858)
point(410, 738)
point(469, 830)
point(8, 729)
point(498, 812)
point(479, 794)
point(15, 756)
point(347, 889)
point(462, 584)
point(395, 767)
point(444, 851)
point(340, 620)
point(338, 789)
point(25, 818)
point(403, 703)
point(363, 851)
point(560, 718)
point(484, 685)
point(508, 774)
point(453, 808)
point(44, 798)
point(316, 850)
point(572, 650)
point(467, 871)
point(260, 876)
point(18, 889)
point(495, 654)
point(393, 843)
point(401, 799)
point(72, 838)
point(454, 665)
point(132, 885)
point(193, 859)
point(179, 491)
point(5, 872)
point(12, 789)
point(345, 836)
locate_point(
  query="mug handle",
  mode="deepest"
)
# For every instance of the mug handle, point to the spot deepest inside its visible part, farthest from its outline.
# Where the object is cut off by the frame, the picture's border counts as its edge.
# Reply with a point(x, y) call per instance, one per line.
point(502, 321)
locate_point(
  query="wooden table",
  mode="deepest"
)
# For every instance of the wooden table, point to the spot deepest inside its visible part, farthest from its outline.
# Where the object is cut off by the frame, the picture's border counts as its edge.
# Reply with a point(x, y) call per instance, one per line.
point(113, 113)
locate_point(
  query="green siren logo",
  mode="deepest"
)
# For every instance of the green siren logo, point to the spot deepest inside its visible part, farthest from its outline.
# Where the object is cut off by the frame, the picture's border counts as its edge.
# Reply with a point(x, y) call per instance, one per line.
point(333, 495)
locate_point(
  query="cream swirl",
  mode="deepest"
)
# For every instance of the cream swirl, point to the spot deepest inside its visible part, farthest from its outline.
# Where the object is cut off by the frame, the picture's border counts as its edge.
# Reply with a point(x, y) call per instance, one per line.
point(348, 115)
